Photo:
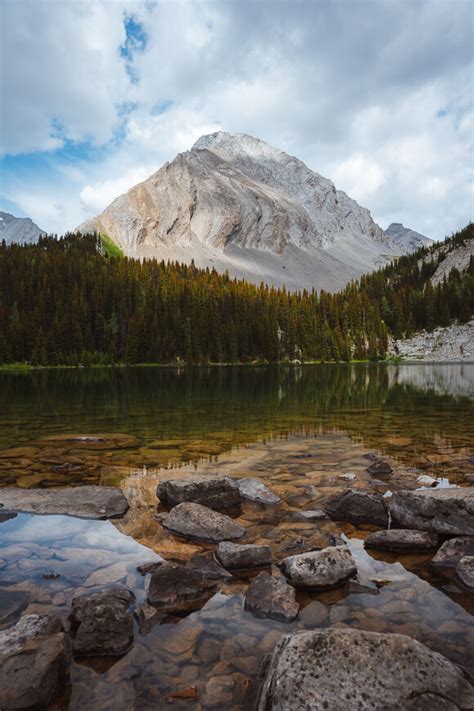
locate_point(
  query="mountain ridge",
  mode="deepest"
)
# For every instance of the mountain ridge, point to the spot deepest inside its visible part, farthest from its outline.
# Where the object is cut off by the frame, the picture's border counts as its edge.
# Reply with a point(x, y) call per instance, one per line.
point(19, 230)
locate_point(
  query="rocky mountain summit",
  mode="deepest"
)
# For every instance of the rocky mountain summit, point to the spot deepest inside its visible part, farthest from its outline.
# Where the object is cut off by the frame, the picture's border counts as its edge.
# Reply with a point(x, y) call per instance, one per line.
point(235, 203)
point(21, 230)
point(405, 239)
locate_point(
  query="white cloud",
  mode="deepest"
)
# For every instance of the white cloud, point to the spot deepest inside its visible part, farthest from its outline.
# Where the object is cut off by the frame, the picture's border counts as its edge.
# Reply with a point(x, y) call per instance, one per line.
point(359, 176)
point(95, 197)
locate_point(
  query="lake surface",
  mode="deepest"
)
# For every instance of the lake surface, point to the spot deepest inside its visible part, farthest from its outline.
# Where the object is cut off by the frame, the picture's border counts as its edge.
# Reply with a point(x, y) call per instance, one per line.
point(306, 431)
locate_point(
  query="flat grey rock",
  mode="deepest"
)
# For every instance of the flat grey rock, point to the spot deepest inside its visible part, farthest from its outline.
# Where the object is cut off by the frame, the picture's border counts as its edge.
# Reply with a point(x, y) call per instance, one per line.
point(449, 512)
point(195, 521)
point(271, 597)
point(35, 656)
point(402, 540)
point(451, 552)
point(176, 588)
point(216, 492)
point(238, 556)
point(465, 572)
point(101, 625)
point(320, 570)
point(358, 507)
point(94, 502)
point(255, 490)
point(342, 669)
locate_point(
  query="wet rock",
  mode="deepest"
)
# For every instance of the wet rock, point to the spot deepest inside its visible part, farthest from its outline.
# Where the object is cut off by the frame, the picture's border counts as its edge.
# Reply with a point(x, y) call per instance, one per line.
point(339, 669)
point(310, 516)
point(402, 540)
point(362, 588)
point(150, 566)
point(209, 650)
point(445, 511)
point(179, 588)
point(358, 507)
point(12, 604)
point(94, 502)
point(147, 617)
point(425, 480)
point(200, 522)
point(35, 656)
point(320, 570)
point(209, 568)
point(236, 556)
point(271, 597)
point(51, 575)
point(101, 624)
point(451, 552)
point(379, 467)
point(255, 490)
point(6, 516)
point(465, 572)
point(217, 492)
point(218, 692)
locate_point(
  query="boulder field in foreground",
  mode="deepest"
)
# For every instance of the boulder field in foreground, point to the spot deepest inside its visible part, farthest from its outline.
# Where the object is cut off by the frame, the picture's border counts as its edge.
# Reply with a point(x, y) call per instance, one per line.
point(93, 502)
point(197, 521)
point(341, 669)
point(449, 512)
point(358, 507)
point(216, 492)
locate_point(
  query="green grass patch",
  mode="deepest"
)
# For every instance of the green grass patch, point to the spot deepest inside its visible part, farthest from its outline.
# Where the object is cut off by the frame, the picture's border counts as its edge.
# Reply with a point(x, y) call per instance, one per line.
point(109, 248)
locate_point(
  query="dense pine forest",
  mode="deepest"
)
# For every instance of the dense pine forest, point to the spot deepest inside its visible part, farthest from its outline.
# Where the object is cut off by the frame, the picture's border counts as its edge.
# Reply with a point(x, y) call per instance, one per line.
point(70, 301)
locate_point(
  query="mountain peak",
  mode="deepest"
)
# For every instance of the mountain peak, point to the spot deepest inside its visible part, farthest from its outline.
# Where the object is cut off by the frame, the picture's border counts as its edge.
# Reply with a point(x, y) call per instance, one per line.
point(406, 239)
point(233, 144)
point(21, 230)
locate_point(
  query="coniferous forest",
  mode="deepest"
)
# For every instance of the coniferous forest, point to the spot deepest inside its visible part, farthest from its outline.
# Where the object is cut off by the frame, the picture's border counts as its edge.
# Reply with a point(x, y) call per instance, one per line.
point(65, 302)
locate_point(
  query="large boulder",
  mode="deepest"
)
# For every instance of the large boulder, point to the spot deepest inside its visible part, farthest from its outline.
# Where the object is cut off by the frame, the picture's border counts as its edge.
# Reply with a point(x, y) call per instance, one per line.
point(216, 492)
point(176, 588)
point(358, 507)
point(200, 522)
point(402, 540)
point(341, 669)
point(465, 572)
point(451, 552)
point(449, 512)
point(102, 625)
point(94, 502)
point(320, 570)
point(255, 490)
point(35, 655)
point(235, 556)
point(271, 597)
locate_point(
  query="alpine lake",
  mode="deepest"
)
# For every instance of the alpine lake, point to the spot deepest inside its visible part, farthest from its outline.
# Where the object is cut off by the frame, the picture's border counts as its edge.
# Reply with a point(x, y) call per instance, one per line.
point(308, 432)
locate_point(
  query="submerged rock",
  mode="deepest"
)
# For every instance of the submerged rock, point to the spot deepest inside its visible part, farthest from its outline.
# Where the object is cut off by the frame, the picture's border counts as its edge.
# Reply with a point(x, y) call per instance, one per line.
point(200, 522)
point(451, 552)
point(235, 556)
point(94, 502)
point(217, 492)
point(255, 490)
point(209, 568)
point(101, 624)
point(465, 572)
point(380, 467)
point(271, 597)
point(147, 617)
point(401, 540)
point(341, 669)
point(320, 570)
point(178, 588)
point(310, 516)
point(35, 655)
point(448, 512)
point(358, 507)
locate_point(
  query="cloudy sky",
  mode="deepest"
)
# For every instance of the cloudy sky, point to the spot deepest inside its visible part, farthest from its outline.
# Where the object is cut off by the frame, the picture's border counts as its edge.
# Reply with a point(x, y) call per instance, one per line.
point(376, 95)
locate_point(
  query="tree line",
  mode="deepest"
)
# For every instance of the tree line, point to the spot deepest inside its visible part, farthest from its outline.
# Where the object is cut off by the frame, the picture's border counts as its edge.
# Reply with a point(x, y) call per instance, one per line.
point(65, 302)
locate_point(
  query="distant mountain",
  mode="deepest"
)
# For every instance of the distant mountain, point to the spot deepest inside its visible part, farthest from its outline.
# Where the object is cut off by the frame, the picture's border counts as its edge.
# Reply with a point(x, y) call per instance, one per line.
point(237, 204)
point(405, 239)
point(18, 229)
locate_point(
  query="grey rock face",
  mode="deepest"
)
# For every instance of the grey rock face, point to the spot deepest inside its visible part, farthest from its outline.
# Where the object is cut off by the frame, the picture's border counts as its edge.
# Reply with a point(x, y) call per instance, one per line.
point(35, 656)
point(204, 524)
point(177, 588)
point(407, 240)
point(320, 570)
point(235, 556)
point(21, 230)
point(255, 490)
point(219, 492)
point(94, 502)
point(102, 624)
point(445, 511)
point(358, 507)
point(465, 571)
point(341, 669)
point(271, 597)
point(451, 552)
point(401, 540)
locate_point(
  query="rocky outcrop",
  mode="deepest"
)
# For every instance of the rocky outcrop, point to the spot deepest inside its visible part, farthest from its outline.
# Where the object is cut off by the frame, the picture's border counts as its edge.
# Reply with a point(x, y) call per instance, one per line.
point(339, 669)
point(453, 343)
point(449, 512)
point(236, 556)
point(35, 656)
point(217, 492)
point(255, 490)
point(402, 540)
point(178, 588)
point(465, 572)
point(199, 522)
point(19, 230)
point(358, 507)
point(94, 502)
point(320, 570)
point(451, 552)
point(102, 625)
point(271, 597)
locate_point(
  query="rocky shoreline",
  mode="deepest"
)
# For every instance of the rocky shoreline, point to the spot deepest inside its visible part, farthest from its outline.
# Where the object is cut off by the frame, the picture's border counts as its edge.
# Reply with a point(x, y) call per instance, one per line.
point(452, 344)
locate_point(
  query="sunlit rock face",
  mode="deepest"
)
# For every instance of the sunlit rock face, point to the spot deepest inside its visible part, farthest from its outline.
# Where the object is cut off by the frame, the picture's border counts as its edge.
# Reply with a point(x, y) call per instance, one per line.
point(235, 203)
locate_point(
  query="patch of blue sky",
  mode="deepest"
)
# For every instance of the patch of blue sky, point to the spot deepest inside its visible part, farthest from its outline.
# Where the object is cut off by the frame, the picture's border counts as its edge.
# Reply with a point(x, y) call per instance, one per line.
point(136, 40)
point(161, 107)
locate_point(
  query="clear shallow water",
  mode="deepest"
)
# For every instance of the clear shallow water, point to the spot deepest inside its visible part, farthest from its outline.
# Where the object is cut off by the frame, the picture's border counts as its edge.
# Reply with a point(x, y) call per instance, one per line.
point(305, 431)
